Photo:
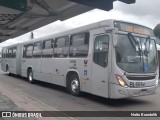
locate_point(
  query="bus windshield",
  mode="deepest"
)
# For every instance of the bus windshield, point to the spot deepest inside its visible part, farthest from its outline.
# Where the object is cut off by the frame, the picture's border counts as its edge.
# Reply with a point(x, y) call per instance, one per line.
point(136, 54)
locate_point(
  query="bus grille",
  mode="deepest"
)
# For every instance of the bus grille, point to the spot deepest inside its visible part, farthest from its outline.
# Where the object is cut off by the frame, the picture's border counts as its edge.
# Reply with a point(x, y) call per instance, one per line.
point(141, 77)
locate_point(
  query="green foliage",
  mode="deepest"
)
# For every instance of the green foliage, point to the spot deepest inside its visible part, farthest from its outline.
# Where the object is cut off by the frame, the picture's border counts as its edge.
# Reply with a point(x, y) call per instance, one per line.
point(157, 31)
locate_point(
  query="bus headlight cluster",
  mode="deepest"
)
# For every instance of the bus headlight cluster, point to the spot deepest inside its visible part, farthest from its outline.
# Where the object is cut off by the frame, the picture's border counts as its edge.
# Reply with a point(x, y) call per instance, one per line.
point(121, 81)
point(157, 80)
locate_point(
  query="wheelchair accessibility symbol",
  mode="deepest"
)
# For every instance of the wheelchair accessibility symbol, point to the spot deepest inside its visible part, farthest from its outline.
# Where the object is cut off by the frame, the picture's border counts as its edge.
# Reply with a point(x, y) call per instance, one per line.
point(146, 67)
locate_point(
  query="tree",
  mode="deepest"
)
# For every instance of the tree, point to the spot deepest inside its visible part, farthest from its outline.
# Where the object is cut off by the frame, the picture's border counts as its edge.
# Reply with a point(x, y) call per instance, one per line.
point(157, 31)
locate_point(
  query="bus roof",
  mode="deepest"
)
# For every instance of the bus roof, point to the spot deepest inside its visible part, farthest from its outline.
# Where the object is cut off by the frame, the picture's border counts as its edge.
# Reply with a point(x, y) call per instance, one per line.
point(107, 23)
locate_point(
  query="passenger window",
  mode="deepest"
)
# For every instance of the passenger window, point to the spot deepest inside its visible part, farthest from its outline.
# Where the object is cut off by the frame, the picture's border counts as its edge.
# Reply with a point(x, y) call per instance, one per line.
point(14, 52)
point(48, 44)
point(10, 53)
point(29, 49)
point(101, 47)
point(4, 53)
point(37, 50)
point(24, 51)
point(47, 49)
point(61, 47)
point(79, 45)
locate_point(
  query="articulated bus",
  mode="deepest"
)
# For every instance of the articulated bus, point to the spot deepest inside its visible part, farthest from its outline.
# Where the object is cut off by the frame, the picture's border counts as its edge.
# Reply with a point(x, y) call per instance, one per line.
point(112, 59)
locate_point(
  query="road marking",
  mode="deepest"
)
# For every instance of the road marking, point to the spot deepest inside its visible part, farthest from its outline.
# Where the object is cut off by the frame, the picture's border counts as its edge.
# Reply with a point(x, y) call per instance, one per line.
point(19, 99)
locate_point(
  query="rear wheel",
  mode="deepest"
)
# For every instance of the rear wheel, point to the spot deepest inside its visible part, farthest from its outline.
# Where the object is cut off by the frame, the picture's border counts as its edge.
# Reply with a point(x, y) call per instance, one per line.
point(30, 76)
point(7, 70)
point(74, 85)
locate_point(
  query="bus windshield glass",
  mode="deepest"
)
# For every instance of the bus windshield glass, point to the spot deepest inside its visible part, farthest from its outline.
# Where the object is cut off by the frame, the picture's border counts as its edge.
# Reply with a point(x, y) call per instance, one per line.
point(136, 54)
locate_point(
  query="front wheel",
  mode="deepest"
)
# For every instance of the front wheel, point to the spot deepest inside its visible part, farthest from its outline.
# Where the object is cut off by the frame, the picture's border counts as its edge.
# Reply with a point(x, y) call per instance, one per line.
point(74, 85)
point(30, 76)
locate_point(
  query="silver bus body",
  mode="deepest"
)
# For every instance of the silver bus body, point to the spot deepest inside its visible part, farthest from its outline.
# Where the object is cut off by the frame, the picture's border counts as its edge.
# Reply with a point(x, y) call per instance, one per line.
point(89, 54)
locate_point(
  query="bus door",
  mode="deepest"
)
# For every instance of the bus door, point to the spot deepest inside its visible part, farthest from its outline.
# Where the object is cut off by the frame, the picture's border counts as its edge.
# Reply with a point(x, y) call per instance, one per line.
point(3, 59)
point(46, 61)
point(100, 65)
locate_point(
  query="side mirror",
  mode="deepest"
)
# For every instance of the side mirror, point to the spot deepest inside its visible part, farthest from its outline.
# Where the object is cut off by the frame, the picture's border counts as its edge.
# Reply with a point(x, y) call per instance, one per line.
point(115, 35)
point(115, 38)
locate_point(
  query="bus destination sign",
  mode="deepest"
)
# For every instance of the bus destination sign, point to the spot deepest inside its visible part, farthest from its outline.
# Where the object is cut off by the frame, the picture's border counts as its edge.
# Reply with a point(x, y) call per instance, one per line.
point(133, 28)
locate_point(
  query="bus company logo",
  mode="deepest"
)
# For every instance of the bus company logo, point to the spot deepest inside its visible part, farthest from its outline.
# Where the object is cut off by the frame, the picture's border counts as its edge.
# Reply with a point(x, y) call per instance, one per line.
point(6, 114)
point(85, 62)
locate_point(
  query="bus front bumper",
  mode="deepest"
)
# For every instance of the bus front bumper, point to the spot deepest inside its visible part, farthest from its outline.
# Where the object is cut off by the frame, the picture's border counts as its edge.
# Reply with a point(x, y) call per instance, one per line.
point(117, 92)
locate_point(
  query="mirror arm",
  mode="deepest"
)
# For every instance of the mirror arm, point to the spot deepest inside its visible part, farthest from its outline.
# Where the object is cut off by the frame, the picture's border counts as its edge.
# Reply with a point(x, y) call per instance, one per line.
point(115, 34)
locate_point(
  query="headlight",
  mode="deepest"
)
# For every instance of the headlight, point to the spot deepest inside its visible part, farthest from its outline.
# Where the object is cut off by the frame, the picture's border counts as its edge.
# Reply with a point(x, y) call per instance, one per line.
point(121, 81)
point(157, 80)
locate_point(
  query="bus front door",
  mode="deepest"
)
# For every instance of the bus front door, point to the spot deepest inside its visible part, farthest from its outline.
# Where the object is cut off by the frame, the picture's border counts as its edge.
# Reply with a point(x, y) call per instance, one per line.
point(100, 65)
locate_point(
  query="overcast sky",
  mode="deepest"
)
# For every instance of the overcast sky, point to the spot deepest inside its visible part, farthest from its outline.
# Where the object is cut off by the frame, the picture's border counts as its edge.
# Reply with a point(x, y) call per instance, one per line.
point(143, 12)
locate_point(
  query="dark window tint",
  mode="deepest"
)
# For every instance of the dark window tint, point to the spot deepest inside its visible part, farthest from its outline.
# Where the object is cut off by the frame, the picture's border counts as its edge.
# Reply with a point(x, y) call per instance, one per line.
point(14, 52)
point(37, 49)
point(4, 51)
point(10, 50)
point(61, 47)
point(29, 49)
point(79, 45)
point(24, 51)
point(48, 44)
point(47, 49)
point(101, 47)
point(37, 46)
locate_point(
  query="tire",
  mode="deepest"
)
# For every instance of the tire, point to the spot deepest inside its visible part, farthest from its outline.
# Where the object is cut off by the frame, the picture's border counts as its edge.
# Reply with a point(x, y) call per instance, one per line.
point(30, 76)
point(7, 70)
point(74, 85)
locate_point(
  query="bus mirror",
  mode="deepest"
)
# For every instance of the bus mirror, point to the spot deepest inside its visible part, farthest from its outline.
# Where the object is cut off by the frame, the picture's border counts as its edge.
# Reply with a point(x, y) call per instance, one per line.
point(115, 40)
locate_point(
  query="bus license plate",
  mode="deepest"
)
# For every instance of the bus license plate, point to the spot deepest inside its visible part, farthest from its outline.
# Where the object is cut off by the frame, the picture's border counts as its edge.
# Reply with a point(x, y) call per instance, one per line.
point(137, 84)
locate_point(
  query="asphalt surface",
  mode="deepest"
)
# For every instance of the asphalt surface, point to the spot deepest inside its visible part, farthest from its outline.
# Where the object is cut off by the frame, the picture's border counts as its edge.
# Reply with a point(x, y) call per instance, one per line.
point(47, 97)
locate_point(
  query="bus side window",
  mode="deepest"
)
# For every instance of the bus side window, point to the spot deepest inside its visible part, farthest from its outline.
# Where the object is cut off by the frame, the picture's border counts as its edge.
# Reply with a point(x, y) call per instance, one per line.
point(29, 49)
point(79, 45)
point(101, 47)
point(14, 52)
point(37, 49)
point(24, 51)
point(10, 51)
point(61, 47)
point(6, 53)
point(47, 48)
point(3, 53)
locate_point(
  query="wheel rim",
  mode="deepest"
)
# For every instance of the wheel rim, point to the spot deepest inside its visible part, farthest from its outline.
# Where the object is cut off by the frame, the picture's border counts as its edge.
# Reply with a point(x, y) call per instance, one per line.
point(74, 85)
point(30, 76)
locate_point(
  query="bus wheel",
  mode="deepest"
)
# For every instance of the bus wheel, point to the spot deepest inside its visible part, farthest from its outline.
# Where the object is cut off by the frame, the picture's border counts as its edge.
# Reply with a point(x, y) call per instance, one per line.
point(30, 76)
point(7, 70)
point(74, 85)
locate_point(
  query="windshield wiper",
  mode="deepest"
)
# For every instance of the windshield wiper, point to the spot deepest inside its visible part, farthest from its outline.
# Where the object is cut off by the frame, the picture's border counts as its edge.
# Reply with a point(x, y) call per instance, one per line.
point(134, 44)
point(148, 40)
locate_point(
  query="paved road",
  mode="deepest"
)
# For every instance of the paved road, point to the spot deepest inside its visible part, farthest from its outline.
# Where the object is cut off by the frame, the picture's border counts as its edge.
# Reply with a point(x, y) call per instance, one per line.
point(53, 97)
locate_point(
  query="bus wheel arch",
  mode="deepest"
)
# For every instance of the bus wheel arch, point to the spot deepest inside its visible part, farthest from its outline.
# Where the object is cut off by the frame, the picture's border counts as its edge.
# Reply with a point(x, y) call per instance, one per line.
point(30, 75)
point(73, 83)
